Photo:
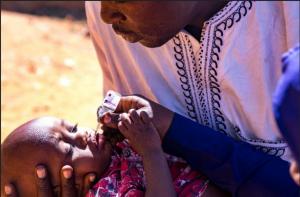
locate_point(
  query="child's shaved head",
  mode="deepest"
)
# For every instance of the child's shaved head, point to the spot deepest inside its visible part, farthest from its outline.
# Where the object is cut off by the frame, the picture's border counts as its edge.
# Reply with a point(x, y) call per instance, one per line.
point(19, 151)
point(49, 141)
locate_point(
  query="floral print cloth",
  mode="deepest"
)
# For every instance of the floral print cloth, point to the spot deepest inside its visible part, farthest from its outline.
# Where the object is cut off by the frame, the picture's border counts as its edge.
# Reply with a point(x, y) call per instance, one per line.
point(126, 177)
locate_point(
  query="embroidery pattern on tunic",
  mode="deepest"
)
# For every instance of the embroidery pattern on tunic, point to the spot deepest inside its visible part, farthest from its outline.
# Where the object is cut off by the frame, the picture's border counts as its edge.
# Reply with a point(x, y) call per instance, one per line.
point(276, 148)
point(235, 17)
point(197, 68)
point(182, 72)
point(204, 106)
point(271, 147)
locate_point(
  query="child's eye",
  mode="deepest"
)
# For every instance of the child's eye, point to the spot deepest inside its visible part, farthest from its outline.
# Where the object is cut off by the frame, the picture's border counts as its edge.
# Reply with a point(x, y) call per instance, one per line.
point(69, 150)
point(74, 129)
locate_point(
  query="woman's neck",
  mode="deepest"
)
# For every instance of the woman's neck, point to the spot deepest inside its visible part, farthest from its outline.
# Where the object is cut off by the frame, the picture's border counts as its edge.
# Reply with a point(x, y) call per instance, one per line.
point(205, 10)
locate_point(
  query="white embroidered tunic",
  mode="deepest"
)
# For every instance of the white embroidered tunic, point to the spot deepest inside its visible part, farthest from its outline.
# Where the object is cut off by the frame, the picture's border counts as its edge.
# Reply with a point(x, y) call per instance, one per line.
point(225, 80)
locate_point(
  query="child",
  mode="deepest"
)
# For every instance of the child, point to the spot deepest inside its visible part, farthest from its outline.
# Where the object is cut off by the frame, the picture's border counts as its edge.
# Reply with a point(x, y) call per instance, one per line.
point(55, 142)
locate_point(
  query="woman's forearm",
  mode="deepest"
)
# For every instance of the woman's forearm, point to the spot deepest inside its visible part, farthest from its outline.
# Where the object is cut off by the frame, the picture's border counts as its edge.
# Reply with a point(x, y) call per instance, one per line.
point(232, 165)
point(158, 177)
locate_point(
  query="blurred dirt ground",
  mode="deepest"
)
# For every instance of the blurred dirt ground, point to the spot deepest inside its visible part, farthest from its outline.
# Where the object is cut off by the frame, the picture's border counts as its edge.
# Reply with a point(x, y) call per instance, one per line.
point(48, 67)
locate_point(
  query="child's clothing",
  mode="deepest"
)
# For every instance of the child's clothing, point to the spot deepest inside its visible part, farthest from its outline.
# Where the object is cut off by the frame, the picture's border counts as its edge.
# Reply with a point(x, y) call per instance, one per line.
point(125, 176)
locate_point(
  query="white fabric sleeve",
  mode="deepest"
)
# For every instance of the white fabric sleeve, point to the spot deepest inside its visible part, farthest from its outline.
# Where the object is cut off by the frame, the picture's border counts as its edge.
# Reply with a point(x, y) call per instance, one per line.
point(292, 21)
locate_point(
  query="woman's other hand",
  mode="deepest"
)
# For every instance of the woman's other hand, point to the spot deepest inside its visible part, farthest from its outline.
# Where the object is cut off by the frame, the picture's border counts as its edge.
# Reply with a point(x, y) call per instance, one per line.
point(159, 115)
point(45, 189)
point(295, 172)
point(140, 132)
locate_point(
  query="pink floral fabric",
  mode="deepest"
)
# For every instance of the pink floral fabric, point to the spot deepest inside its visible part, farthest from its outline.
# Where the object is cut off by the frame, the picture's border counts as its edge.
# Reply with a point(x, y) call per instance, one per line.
point(125, 176)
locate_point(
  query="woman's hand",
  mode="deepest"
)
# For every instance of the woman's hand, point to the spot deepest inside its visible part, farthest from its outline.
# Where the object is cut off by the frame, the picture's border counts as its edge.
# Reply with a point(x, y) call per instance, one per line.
point(140, 132)
point(295, 172)
point(45, 189)
point(160, 116)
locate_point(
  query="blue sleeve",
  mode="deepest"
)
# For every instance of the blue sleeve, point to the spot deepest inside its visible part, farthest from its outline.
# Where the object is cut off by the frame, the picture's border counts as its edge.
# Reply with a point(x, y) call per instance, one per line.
point(286, 101)
point(233, 165)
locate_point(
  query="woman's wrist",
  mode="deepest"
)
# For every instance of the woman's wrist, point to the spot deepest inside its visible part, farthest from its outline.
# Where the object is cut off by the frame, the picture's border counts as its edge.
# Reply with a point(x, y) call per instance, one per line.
point(162, 118)
point(152, 153)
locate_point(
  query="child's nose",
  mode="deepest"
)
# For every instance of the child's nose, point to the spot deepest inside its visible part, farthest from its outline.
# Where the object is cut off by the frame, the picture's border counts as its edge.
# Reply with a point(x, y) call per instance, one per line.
point(81, 138)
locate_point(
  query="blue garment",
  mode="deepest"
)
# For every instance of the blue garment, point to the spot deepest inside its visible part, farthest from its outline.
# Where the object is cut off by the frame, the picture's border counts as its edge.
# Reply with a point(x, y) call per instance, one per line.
point(233, 165)
point(286, 101)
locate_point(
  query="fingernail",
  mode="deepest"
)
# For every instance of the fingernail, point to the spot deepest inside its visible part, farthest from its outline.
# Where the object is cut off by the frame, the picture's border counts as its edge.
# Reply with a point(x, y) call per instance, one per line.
point(107, 119)
point(7, 190)
point(41, 172)
point(67, 173)
point(92, 177)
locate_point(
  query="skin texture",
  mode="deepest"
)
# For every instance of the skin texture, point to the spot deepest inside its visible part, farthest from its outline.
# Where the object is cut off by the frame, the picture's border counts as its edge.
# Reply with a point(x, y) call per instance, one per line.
point(145, 124)
point(144, 138)
point(153, 23)
point(295, 172)
point(54, 143)
point(161, 117)
point(138, 126)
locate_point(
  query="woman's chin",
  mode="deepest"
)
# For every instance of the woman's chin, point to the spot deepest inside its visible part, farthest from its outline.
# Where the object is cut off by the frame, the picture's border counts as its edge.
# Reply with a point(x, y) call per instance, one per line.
point(153, 43)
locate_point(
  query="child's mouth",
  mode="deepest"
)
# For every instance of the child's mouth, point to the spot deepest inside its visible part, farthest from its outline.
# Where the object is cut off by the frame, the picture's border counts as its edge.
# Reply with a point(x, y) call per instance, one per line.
point(96, 140)
point(100, 139)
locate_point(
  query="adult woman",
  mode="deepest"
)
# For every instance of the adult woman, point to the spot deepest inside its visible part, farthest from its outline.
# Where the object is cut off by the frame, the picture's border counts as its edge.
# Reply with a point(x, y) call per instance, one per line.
point(223, 79)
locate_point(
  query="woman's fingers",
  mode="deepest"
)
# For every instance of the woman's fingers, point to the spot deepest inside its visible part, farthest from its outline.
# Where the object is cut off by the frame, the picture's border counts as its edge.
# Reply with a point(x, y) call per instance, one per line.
point(126, 104)
point(110, 120)
point(124, 118)
point(295, 172)
point(89, 181)
point(132, 102)
point(160, 116)
point(134, 116)
point(43, 182)
point(123, 129)
point(68, 188)
point(145, 117)
point(10, 190)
